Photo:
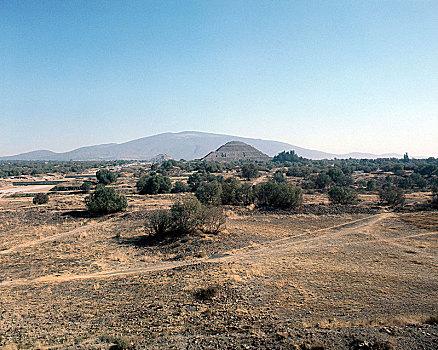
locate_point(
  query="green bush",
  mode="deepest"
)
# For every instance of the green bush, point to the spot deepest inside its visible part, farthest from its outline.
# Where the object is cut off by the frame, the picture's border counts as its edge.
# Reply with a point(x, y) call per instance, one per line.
point(392, 196)
point(184, 217)
point(153, 184)
point(371, 185)
point(105, 200)
point(278, 195)
point(284, 156)
point(209, 193)
point(105, 177)
point(342, 195)
point(323, 180)
point(86, 186)
point(249, 171)
point(435, 197)
point(180, 187)
point(159, 222)
point(41, 198)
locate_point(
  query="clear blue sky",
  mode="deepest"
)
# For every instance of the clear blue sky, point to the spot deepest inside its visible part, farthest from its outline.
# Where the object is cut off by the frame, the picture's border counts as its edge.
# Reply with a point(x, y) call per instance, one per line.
point(338, 76)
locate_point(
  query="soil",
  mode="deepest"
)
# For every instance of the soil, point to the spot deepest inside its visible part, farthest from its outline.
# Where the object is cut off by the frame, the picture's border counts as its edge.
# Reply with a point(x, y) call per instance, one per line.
point(322, 277)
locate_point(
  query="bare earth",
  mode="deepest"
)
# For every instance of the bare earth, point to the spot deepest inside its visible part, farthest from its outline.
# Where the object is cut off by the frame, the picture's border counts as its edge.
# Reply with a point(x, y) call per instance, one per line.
point(287, 281)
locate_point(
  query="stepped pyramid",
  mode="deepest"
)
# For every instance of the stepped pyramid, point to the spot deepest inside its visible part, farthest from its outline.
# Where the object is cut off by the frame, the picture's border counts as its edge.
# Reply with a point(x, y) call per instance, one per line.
point(236, 151)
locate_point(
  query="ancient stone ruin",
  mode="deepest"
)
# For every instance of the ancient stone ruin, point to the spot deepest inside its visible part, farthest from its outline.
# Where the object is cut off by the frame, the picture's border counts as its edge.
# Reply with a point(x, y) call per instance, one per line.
point(236, 151)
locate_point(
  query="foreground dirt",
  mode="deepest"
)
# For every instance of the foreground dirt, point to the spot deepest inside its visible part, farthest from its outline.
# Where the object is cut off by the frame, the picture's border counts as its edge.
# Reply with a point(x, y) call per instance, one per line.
point(277, 280)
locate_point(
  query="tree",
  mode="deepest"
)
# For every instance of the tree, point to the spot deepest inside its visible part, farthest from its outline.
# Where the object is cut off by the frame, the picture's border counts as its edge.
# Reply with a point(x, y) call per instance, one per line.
point(105, 200)
point(278, 195)
point(249, 171)
point(184, 217)
point(105, 177)
point(342, 195)
point(180, 187)
point(284, 156)
point(371, 185)
point(392, 196)
point(435, 197)
point(209, 193)
point(153, 184)
point(41, 198)
point(278, 176)
point(86, 186)
point(323, 180)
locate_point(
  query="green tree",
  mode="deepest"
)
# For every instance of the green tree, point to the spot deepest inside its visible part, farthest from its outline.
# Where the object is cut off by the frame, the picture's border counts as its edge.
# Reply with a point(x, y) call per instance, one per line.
point(249, 171)
point(154, 184)
point(392, 196)
point(342, 195)
point(209, 192)
point(86, 186)
point(105, 200)
point(105, 177)
point(284, 156)
point(323, 180)
point(278, 195)
point(371, 185)
point(180, 187)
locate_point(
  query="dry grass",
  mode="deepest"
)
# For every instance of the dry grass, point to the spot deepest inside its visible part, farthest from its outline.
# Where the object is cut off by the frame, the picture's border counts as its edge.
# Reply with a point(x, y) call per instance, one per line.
point(278, 277)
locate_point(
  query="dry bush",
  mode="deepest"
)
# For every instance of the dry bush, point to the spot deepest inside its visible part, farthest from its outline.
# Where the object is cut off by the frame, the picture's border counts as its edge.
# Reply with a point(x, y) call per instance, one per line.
point(211, 220)
point(185, 216)
point(40, 198)
point(206, 293)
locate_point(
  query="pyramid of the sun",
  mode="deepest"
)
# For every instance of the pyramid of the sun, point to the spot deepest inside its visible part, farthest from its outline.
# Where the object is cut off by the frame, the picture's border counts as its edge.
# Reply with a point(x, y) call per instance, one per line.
point(236, 151)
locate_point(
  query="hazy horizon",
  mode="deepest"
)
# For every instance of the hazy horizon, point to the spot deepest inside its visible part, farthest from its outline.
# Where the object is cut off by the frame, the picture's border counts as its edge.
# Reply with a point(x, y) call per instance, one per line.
point(337, 76)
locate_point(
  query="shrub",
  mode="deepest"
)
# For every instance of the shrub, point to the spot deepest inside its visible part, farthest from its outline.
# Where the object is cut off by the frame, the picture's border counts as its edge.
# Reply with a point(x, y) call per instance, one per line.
point(435, 197)
point(206, 293)
point(392, 196)
point(86, 186)
point(180, 187)
point(105, 200)
point(284, 156)
point(105, 177)
point(153, 184)
point(209, 193)
point(249, 171)
point(194, 181)
point(278, 176)
point(323, 180)
point(159, 222)
point(278, 195)
point(211, 220)
point(185, 215)
point(40, 198)
point(371, 185)
point(342, 195)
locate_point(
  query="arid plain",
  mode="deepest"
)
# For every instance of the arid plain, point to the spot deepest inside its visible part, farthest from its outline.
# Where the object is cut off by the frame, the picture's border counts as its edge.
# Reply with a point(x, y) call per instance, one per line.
point(320, 277)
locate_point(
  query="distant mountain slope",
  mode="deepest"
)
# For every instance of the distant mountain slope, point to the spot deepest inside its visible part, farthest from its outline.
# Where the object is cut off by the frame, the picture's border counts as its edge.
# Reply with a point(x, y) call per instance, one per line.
point(183, 145)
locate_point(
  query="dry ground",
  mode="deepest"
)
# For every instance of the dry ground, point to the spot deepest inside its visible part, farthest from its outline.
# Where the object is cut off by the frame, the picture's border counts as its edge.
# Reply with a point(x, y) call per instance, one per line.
point(283, 280)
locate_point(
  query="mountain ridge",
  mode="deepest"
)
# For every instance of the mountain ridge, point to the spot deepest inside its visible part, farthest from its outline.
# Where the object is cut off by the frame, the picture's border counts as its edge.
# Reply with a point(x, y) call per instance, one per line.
point(186, 145)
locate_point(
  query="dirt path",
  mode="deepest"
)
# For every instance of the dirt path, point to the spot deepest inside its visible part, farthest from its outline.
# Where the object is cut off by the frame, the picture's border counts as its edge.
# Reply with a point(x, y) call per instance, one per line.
point(9, 191)
point(54, 237)
point(273, 249)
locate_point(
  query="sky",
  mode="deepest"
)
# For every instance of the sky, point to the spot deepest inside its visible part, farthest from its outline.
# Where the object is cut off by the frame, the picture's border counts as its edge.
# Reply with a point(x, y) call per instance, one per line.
point(336, 76)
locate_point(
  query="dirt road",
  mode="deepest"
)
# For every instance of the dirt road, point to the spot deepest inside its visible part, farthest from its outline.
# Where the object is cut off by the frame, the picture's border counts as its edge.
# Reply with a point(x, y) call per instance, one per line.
point(277, 249)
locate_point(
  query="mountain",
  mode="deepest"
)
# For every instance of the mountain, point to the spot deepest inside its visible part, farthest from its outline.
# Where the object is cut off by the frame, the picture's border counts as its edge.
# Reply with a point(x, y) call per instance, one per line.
point(235, 151)
point(182, 145)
